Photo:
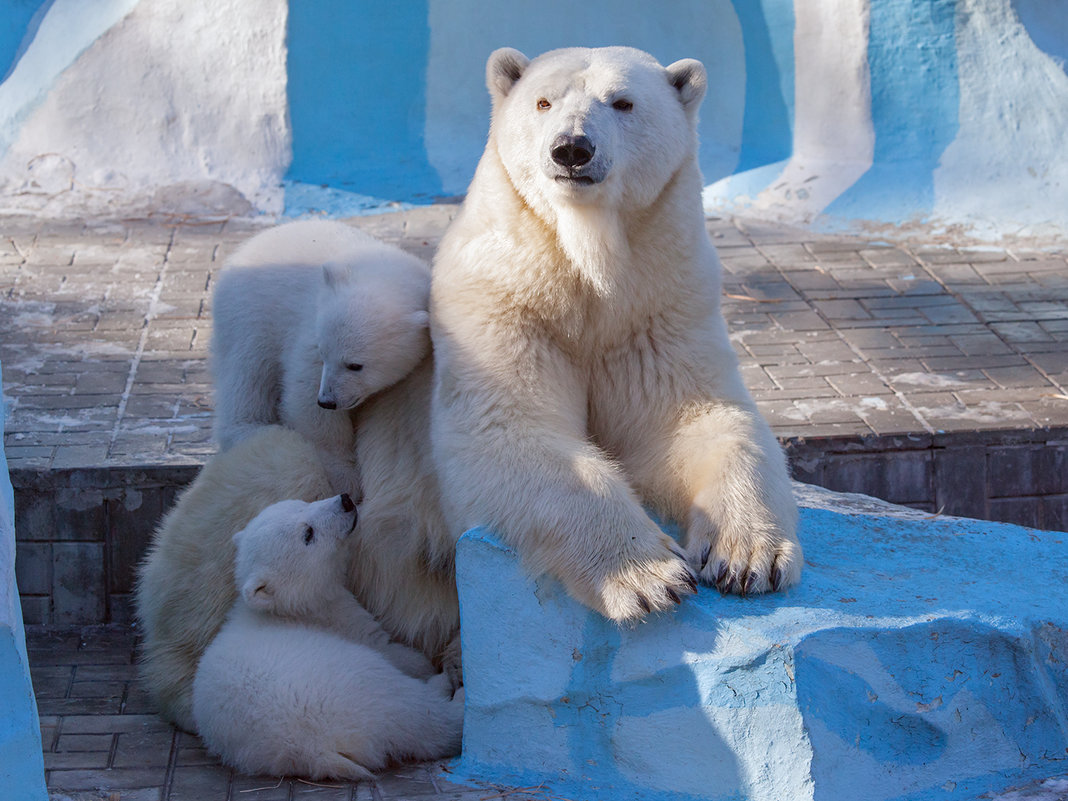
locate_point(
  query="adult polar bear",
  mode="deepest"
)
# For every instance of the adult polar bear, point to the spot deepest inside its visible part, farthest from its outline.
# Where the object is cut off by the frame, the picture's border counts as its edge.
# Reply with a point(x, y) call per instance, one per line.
point(582, 365)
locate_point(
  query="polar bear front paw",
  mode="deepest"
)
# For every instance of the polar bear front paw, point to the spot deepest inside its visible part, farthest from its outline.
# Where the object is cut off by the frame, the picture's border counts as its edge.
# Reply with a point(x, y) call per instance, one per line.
point(646, 583)
point(747, 564)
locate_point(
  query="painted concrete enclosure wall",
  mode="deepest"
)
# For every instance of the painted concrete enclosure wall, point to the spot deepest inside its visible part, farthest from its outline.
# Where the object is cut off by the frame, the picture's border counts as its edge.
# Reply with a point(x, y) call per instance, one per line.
point(945, 111)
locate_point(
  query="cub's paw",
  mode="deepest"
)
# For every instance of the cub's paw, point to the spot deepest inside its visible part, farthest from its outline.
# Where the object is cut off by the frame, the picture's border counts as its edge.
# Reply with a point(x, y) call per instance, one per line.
point(746, 563)
point(652, 580)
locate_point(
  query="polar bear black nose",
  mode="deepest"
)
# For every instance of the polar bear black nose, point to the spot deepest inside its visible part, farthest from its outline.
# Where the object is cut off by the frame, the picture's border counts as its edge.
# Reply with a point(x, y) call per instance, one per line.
point(572, 151)
point(328, 404)
point(346, 502)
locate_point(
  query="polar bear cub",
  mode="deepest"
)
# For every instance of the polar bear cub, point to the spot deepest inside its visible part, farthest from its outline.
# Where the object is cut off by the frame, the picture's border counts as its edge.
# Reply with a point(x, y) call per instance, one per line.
point(302, 680)
point(310, 319)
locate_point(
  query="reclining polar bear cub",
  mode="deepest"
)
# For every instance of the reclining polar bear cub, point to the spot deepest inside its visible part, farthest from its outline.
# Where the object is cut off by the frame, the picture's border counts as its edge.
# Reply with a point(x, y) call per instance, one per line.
point(302, 680)
point(310, 319)
point(582, 364)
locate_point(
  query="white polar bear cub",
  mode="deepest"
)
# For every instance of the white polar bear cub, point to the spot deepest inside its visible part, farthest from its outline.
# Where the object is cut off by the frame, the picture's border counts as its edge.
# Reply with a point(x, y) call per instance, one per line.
point(582, 364)
point(310, 319)
point(301, 680)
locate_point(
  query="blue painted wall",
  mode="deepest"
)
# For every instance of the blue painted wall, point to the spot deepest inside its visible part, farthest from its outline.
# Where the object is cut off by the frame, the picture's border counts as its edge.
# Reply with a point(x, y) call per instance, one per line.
point(949, 109)
point(768, 38)
point(357, 97)
point(20, 19)
point(21, 759)
point(912, 60)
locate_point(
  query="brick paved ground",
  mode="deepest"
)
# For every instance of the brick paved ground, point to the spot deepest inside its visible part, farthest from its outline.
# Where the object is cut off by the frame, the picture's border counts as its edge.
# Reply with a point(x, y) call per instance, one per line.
point(930, 375)
point(105, 328)
point(102, 739)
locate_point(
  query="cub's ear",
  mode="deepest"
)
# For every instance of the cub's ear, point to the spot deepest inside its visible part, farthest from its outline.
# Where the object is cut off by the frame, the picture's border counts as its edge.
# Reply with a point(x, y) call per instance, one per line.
point(420, 318)
point(690, 81)
point(504, 68)
point(258, 592)
point(335, 274)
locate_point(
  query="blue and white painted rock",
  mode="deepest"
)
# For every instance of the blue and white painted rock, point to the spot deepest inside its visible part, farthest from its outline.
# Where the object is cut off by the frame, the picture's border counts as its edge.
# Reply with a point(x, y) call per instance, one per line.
point(920, 658)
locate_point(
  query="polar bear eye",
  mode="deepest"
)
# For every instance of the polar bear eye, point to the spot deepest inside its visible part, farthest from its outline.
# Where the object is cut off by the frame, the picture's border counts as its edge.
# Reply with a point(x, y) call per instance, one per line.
point(622, 105)
point(544, 105)
point(354, 367)
point(309, 535)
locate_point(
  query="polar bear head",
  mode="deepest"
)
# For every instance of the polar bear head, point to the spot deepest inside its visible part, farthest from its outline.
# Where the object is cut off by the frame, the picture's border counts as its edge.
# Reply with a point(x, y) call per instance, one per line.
point(606, 126)
point(372, 329)
point(287, 556)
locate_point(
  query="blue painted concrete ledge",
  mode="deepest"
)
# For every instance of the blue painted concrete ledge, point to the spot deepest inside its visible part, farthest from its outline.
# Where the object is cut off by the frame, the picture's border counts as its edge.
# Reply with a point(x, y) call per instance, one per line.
point(21, 761)
point(920, 658)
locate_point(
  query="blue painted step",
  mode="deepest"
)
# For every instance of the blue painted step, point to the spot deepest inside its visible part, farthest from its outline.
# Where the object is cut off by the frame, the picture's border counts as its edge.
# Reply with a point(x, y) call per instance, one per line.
point(920, 659)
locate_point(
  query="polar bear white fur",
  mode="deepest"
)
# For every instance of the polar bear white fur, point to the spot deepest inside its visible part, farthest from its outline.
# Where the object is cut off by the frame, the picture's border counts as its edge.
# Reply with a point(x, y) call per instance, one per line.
point(301, 680)
point(399, 561)
point(185, 585)
point(583, 367)
point(309, 320)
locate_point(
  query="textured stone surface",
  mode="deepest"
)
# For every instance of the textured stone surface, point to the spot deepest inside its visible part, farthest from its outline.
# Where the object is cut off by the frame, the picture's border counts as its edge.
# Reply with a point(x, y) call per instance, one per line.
point(921, 658)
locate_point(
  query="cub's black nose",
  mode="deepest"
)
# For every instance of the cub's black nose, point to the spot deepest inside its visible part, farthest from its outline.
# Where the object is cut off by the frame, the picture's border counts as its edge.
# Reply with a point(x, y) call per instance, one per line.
point(346, 502)
point(328, 404)
point(572, 151)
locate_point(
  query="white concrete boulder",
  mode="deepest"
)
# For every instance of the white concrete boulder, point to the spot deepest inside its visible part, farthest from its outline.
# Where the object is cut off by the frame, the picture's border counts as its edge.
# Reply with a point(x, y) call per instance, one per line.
point(920, 658)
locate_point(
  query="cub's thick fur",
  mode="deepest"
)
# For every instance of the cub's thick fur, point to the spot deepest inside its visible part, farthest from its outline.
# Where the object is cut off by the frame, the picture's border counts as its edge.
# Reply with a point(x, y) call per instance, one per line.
point(399, 560)
point(301, 679)
point(185, 586)
point(310, 319)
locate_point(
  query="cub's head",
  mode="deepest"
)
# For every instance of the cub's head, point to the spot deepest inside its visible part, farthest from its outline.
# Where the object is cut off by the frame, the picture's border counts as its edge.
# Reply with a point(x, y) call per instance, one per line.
point(287, 556)
point(371, 332)
point(606, 125)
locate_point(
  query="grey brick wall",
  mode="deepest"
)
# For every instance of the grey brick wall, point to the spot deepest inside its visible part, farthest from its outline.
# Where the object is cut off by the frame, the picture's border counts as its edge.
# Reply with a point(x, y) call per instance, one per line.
point(1011, 476)
point(81, 533)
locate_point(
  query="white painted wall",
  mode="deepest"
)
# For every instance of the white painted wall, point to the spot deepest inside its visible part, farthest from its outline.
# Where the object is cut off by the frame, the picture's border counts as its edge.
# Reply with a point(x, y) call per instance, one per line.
point(171, 107)
point(165, 106)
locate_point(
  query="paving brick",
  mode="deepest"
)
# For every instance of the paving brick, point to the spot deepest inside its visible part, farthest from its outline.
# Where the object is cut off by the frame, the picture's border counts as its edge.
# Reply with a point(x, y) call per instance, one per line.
point(145, 749)
point(894, 419)
point(86, 742)
point(112, 779)
point(800, 321)
point(62, 761)
point(1019, 376)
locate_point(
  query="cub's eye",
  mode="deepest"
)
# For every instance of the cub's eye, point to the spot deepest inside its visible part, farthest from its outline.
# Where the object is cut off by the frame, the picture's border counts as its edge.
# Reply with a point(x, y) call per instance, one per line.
point(622, 105)
point(354, 367)
point(309, 535)
point(544, 104)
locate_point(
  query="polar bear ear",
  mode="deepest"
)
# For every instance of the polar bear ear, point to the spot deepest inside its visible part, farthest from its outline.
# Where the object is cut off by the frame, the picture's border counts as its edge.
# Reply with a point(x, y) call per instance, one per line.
point(258, 592)
point(690, 81)
point(504, 68)
point(335, 274)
